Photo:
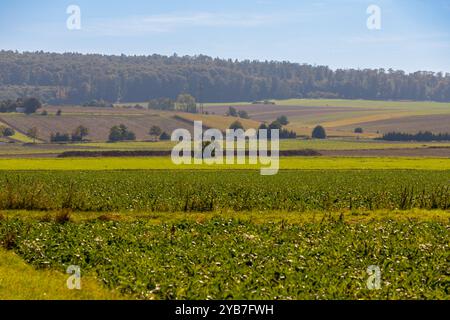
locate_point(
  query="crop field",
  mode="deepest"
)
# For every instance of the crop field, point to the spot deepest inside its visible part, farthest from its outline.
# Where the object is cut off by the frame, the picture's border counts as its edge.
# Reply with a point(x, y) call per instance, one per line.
point(340, 117)
point(301, 234)
point(98, 126)
point(209, 191)
point(236, 259)
point(165, 163)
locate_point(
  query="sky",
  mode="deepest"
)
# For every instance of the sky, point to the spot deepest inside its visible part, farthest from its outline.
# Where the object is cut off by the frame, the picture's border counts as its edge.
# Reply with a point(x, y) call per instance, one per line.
point(413, 35)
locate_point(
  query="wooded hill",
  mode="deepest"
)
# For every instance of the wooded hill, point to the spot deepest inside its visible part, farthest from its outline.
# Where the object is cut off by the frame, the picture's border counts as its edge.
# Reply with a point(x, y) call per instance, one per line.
point(77, 78)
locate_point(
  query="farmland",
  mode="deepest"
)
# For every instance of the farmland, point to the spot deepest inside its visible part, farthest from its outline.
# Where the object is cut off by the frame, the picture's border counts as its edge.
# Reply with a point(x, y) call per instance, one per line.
point(144, 228)
point(197, 191)
point(165, 163)
point(221, 258)
point(234, 234)
point(340, 117)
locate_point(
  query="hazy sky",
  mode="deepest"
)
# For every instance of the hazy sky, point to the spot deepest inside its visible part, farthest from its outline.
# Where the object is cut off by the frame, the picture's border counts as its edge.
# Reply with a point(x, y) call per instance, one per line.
point(414, 35)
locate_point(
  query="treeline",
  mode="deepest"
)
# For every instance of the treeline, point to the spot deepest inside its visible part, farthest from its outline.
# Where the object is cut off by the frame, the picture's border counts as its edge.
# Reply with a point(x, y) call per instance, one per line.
point(77, 78)
point(27, 105)
point(420, 136)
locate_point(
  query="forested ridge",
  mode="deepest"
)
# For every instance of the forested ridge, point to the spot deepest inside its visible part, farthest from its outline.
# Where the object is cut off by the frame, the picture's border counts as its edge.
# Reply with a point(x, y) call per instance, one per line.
point(77, 78)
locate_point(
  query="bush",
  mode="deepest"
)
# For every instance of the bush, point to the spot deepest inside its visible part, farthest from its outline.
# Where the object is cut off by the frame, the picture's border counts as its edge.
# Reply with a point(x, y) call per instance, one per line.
point(236, 125)
point(164, 136)
point(9, 132)
point(319, 133)
point(243, 114)
point(6, 132)
point(60, 137)
point(359, 130)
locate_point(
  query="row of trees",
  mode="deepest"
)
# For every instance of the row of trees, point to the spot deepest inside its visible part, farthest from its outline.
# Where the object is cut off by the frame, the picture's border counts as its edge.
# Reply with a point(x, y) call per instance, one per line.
point(76, 78)
point(184, 102)
point(29, 105)
point(77, 135)
point(275, 125)
point(122, 133)
point(232, 112)
point(420, 136)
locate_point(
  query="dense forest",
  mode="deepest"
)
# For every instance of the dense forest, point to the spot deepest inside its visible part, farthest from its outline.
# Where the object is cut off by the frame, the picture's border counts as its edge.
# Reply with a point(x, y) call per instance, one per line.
point(78, 78)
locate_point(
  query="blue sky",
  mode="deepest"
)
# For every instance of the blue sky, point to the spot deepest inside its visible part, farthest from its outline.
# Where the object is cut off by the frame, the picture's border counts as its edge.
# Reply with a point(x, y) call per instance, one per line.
point(414, 35)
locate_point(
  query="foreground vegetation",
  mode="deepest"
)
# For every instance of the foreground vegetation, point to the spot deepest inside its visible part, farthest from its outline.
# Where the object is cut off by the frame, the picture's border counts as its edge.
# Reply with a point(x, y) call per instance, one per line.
point(230, 234)
point(207, 191)
point(232, 258)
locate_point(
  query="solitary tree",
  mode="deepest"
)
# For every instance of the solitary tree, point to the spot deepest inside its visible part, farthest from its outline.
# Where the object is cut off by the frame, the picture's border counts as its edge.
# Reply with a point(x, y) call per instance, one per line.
point(31, 105)
point(283, 120)
point(155, 131)
point(232, 112)
point(80, 132)
point(33, 133)
point(164, 136)
point(115, 134)
point(319, 133)
point(236, 125)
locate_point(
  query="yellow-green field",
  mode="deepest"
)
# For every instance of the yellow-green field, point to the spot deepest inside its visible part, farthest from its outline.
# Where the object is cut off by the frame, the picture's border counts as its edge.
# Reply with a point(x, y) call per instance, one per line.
point(165, 163)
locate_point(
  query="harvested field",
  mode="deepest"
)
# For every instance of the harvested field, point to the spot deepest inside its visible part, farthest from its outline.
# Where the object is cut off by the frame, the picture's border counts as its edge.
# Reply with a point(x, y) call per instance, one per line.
point(98, 126)
point(411, 124)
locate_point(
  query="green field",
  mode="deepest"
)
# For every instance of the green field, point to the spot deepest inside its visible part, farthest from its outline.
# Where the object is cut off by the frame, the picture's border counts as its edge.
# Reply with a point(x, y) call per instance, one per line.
point(226, 234)
point(210, 191)
point(219, 258)
point(165, 163)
